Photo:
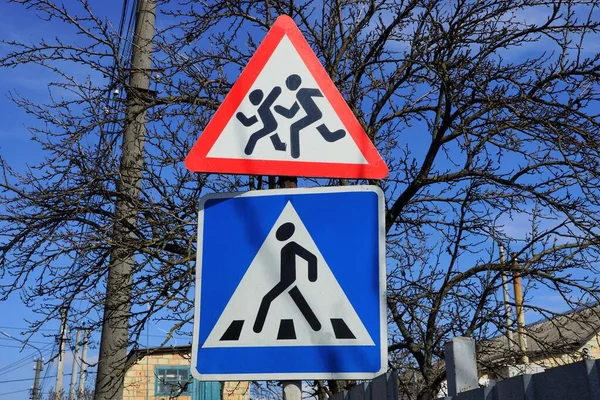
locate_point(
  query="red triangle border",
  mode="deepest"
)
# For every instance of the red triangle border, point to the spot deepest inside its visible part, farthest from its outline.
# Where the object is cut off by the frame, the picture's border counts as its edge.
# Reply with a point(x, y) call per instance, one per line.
point(198, 161)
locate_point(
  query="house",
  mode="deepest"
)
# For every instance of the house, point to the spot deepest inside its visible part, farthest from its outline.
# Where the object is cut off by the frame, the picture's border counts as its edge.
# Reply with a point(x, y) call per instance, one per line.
point(164, 373)
point(563, 339)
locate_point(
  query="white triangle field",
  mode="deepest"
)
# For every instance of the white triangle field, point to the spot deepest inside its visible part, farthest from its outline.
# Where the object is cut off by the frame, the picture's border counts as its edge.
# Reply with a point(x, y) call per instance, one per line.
point(286, 61)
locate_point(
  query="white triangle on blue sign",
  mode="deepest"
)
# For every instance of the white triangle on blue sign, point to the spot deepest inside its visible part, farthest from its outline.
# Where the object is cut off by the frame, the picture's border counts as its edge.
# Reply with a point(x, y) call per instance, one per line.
point(330, 320)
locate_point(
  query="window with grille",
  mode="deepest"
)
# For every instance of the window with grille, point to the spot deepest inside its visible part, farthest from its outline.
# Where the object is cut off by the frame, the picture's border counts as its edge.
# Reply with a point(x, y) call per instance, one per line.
point(172, 380)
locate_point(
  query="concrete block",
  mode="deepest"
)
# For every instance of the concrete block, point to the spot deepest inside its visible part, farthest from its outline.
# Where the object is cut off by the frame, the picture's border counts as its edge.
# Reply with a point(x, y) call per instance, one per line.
point(461, 367)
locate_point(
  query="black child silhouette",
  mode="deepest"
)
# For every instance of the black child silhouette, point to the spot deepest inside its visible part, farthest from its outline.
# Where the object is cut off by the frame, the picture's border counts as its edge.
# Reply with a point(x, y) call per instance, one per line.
point(304, 97)
point(266, 116)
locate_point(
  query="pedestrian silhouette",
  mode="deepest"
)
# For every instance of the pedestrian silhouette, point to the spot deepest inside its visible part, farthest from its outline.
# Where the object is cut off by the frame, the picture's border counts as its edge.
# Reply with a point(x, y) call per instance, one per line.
point(304, 97)
point(266, 116)
point(287, 279)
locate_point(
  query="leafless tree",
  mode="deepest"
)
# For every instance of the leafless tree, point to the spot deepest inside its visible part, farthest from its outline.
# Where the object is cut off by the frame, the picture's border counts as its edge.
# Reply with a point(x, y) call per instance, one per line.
point(87, 394)
point(485, 111)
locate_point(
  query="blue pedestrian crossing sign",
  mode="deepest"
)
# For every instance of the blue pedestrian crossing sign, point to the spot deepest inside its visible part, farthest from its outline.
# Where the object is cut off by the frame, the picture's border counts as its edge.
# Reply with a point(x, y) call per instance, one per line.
point(290, 284)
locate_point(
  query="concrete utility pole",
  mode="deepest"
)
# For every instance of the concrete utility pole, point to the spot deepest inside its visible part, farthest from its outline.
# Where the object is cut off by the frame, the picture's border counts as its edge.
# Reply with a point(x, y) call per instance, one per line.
point(60, 362)
point(83, 373)
point(115, 325)
point(507, 308)
point(35, 392)
point(520, 313)
point(292, 390)
point(75, 366)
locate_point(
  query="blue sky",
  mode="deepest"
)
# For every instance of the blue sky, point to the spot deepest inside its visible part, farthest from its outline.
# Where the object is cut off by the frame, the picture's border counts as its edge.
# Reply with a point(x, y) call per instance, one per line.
point(15, 144)
point(19, 150)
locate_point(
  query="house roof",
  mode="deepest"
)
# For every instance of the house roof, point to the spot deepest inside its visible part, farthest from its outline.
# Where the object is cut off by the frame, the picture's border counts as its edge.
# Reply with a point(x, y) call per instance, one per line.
point(561, 334)
point(139, 353)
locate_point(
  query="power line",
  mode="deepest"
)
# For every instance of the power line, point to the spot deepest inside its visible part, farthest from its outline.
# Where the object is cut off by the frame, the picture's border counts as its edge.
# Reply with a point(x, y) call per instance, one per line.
point(26, 379)
point(21, 364)
point(16, 391)
point(46, 372)
point(26, 328)
point(21, 380)
point(29, 341)
point(172, 337)
point(23, 361)
point(45, 377)
point(15, 367)
point(11, 346)
point(12, 366)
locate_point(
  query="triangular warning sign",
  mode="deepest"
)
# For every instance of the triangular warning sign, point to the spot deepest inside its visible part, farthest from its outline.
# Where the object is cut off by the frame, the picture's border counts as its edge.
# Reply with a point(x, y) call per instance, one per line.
point(284, 116)
point(298, 304)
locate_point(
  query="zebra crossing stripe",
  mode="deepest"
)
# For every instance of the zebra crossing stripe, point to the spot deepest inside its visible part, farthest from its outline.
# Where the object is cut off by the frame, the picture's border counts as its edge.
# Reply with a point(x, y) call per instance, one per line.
point(287, 331)
point(341, 330)
point(234, 330)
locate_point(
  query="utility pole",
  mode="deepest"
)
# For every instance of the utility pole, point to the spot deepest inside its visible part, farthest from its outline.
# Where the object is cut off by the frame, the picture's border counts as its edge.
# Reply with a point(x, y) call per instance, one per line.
point(520, 313)
point(60, 362)
point(507, 308)
point(292, 390)
point(82, 374)
point(35, 392)
point(115, 324)
point(75, 366)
